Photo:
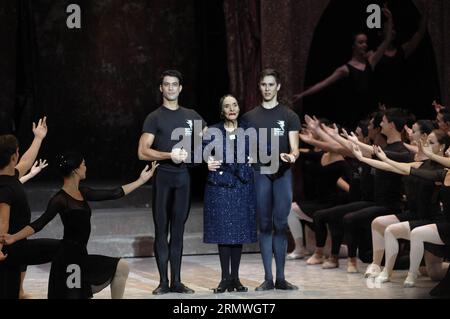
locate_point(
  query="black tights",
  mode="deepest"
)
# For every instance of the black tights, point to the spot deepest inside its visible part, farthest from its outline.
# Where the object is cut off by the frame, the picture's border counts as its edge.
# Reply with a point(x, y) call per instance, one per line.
point(227, 254)
point(171, 203)
point(24, 252)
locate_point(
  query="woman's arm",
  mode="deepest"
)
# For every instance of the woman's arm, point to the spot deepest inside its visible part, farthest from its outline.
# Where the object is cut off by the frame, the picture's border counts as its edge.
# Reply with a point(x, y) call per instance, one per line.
point(444, 161)
point(378, 54)
point(374, 163)
point(36, 169)
point(146, 174)
point(27, 160)
point(366, 149)
point(403, 168)
point(412, 148)
point(410, 46)
point(338, 74)
point(55, 205)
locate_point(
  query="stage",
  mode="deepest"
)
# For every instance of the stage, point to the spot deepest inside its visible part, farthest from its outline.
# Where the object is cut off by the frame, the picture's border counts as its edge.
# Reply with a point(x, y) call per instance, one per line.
point(202, 272)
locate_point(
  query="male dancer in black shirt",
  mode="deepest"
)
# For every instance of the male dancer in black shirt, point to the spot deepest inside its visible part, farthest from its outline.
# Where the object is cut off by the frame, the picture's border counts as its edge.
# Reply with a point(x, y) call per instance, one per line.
point(274, 190)
point(15, 213)
point(171, 186)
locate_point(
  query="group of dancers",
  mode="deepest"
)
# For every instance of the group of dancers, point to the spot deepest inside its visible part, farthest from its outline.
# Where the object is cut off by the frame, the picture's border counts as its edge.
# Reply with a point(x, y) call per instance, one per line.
point(228, 223)
point(358, 178)
point(361, 190)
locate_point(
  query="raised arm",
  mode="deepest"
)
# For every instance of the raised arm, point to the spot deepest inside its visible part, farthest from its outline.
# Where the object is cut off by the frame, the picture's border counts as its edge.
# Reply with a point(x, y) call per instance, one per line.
point(402, 168)
point(334, 134)
point(28, 158)
point(36, 169)
point(410, 46)
point(375, 57)
point(366, 149)
point(338, 74)
point(444, 161)
point(98, 195)
point(146, 174)
point(412, 148)
point(374, 163)
point(325, 133)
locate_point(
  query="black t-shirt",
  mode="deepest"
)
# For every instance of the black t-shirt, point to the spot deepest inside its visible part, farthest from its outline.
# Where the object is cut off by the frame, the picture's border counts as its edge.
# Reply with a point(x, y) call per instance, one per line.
point(163, 122)
point(361, 185)
point(13, 194)
point(389, 186)
point(278, 122)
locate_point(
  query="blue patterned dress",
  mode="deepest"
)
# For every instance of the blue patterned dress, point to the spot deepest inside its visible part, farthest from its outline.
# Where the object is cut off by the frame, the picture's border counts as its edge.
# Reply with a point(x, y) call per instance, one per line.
point(230, 200)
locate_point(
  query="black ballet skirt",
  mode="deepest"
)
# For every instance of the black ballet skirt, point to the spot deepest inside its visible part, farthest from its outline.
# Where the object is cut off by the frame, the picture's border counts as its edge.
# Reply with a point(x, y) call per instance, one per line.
point(72, 257)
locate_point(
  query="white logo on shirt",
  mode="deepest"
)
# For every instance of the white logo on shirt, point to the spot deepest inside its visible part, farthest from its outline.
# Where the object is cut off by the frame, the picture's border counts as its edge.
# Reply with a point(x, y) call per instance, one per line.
point(279, 131)
point(188, 131)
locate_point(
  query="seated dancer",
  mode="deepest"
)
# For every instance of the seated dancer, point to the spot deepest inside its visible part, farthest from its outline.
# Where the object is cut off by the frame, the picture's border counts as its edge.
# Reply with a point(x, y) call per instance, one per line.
point(333, 174)
point(423, 206)
point(360, 196)
point(38, 166)
point(15, 213)
point(437, 233)
point(71, 203)
point(387, 185)
point(230, 202)
point(422, 203)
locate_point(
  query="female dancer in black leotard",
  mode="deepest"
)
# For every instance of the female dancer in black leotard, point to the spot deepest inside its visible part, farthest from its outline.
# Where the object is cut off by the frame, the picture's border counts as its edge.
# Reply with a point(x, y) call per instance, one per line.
point(391, 71)
point(423, 205)
point(360, 71)
point(422, 129)
point(437, 233)
point(71, 203)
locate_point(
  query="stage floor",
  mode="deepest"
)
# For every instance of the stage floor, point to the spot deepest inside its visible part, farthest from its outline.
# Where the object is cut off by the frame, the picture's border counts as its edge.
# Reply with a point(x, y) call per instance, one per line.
point(202, 273)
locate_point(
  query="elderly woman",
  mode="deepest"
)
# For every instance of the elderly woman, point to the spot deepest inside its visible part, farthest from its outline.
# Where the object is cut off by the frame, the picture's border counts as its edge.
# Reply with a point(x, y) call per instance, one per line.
point(229, 210)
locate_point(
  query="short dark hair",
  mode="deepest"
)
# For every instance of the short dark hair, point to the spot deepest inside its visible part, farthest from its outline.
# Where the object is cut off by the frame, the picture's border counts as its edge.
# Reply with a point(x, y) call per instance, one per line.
point(173, 73)
point(8, 146)
point(270, 72)
point(68, 162)
point(398, 117)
